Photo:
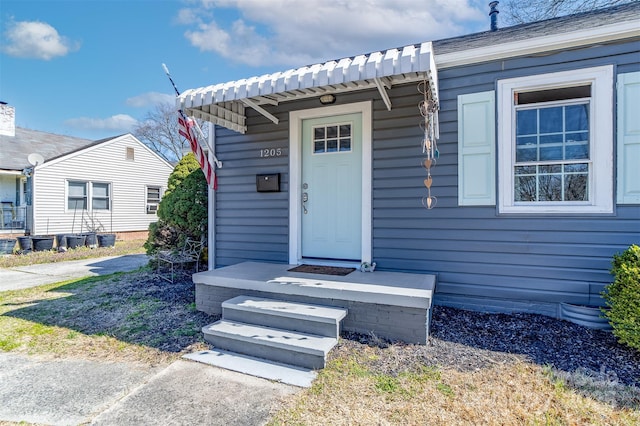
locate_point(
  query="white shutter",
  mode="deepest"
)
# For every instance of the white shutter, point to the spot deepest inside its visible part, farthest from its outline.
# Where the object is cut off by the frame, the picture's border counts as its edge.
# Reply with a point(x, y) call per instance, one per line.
point(629, 138)
point(476, 149)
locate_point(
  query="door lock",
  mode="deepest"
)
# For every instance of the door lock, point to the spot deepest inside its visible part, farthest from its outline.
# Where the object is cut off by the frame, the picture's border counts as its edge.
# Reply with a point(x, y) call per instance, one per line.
point(305, 198)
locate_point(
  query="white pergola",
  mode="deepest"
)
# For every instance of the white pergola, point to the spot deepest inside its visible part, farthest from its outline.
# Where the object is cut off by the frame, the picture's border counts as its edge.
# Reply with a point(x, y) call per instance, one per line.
point(224, 104)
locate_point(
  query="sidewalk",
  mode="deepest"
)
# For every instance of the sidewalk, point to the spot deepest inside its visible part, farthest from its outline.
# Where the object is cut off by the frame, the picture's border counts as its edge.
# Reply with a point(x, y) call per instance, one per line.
point(67, 391)
point(48, 273)
point(64, 392)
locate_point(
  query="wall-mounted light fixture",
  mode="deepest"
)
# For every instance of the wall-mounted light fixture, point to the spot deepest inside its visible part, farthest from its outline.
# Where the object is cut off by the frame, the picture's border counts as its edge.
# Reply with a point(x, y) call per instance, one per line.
point(327, 99)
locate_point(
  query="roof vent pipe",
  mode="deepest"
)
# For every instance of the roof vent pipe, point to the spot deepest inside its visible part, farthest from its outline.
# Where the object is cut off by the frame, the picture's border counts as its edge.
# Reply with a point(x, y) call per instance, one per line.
point(493, 13)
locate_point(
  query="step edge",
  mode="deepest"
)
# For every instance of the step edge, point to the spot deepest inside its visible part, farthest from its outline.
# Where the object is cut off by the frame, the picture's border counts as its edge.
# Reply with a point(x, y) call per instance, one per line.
point(281, 345)
point(342, 311)
point(310, 318)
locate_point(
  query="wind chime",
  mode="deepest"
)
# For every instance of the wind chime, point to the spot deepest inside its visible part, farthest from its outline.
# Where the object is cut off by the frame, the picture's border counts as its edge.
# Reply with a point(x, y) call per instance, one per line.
point(429, 124)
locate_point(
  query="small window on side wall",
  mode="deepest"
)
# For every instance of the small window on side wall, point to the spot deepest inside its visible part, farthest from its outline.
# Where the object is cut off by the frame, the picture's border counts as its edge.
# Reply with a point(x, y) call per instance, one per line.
point(130, 155)
point(100, 196)
point(77, 195)
point(154, 193)
point(556, 142)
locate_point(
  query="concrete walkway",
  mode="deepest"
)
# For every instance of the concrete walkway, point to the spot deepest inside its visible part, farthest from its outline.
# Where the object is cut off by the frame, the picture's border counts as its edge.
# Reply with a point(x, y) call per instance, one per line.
point(74, 391)
point(49, 273)
point(69, 392)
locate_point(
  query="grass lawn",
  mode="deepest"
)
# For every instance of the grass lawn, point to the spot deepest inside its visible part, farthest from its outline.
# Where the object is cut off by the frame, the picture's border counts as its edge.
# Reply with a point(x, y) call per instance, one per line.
point(138, 317)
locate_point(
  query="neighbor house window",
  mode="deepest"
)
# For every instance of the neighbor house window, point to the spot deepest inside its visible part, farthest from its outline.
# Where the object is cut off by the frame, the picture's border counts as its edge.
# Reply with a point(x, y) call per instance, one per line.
point(555, 142)
point(100, 196)
point(154, 193)
point(76, 195)
point(130, 154)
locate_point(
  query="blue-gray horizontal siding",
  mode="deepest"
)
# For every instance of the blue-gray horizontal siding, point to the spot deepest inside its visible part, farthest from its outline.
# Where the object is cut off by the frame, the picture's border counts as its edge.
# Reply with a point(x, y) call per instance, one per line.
point(482, 259)
point(524, 261)
point(251, 225)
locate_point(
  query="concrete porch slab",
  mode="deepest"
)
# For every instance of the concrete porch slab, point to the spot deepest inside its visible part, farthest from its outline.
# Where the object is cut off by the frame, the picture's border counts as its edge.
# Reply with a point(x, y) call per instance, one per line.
point(388, 288)
point(391, 305)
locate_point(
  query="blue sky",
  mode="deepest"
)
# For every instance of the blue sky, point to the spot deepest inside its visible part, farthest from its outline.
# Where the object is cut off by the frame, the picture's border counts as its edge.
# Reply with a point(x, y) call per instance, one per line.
point(92, 68)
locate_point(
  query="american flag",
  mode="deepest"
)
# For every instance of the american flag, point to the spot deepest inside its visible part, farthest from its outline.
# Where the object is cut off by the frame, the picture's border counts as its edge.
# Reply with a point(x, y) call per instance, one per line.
point(185, 128)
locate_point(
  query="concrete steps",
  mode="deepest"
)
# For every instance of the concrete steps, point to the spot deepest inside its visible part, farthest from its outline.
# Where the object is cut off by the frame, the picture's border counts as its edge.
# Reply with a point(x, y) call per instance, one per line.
point(285, 332)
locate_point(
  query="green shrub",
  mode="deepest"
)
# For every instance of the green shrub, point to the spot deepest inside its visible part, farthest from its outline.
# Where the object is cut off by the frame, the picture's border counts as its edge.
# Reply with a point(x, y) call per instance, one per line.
point(182, 212)
point(623, 297)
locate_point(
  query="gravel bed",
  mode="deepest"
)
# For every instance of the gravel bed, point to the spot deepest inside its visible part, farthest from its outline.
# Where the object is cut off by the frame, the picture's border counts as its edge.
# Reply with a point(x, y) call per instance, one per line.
point(468, 340)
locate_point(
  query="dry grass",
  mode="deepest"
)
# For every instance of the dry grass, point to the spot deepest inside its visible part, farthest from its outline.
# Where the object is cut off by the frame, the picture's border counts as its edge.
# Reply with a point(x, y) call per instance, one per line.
point(350, 392)
point(121, 248)
point(121, 317)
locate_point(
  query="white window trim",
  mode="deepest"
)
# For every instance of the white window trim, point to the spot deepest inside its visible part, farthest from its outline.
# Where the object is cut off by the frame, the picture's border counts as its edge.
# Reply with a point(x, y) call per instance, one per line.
point(600, 148)
point(295, 173)
point(147, 203)
point(89, 194)
point(109, 198)
point(66, 194)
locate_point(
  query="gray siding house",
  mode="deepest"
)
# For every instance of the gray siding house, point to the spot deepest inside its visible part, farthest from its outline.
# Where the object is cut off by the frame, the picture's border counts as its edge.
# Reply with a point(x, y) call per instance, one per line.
point(534, 186)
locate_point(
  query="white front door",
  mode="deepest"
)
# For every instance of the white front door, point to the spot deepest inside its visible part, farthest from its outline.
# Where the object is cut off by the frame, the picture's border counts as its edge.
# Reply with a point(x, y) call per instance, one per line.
point(331, 214)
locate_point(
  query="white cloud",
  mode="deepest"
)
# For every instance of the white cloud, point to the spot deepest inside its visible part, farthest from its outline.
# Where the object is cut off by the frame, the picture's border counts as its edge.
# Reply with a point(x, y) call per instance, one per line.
point(34, 39)
point(118, 122)
point(293, 32)
point(150, 99)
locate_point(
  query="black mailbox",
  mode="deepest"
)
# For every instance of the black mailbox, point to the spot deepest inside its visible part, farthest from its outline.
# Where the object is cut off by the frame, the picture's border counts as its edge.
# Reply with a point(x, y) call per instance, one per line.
point(268, 182)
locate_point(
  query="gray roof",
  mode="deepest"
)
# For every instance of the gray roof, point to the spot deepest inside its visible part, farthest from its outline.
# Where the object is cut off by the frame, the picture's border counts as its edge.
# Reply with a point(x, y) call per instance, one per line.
point(580, 21)
point(15, 149)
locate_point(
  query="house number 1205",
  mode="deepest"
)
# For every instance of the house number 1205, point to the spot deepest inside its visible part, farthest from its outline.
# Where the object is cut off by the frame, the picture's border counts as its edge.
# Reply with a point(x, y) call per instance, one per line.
point(270, 152)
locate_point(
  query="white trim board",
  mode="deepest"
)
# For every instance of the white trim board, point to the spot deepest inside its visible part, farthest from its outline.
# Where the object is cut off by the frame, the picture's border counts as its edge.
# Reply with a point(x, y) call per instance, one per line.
point(295, 173)
point(557, 41)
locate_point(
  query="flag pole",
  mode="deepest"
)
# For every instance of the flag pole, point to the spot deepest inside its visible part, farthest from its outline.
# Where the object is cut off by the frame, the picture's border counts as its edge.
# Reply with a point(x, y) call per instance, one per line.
point(202, 135)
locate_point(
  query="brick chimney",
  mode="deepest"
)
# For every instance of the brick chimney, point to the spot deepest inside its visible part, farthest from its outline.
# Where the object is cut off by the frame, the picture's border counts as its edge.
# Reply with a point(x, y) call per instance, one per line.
point(7, 120)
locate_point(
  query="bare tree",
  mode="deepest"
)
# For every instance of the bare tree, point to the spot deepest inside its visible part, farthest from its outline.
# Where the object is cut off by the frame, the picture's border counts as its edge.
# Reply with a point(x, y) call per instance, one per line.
point(159, 131)
point(519, 12)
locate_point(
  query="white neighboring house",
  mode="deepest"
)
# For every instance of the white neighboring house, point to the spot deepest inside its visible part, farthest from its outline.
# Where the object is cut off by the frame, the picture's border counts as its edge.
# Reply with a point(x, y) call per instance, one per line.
point(111, 185)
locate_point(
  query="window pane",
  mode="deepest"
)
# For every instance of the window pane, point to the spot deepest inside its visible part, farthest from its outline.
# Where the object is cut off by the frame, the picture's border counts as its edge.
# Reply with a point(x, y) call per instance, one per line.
point(100, 204)
point(332, 132)
point(576, 168)
point(318, 146)
point(345, 130)
point(551, 153)
point(100, 189)
point(553, 138)
point(332, 145)
point(550, 187)
point(551, 120)
point(318, 133)
point(575, 188)
point(526, 154)
point(576, 117)
point(77, 189)
point(526, 140)
point(577, 152)
point(77, 204)
point(153, 193)
point(345, 144)
point(527, 122)
point(525, 188)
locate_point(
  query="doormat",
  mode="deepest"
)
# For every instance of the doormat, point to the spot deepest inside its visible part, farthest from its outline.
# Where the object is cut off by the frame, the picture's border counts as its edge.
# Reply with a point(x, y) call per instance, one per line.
point(325, 270)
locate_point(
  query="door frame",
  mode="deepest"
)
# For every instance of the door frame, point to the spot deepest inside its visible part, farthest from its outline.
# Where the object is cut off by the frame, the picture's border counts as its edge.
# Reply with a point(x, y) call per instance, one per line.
point(295, 174)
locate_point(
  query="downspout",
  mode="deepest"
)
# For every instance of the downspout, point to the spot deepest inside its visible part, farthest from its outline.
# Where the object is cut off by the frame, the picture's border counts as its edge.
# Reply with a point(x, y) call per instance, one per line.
point(211, 208)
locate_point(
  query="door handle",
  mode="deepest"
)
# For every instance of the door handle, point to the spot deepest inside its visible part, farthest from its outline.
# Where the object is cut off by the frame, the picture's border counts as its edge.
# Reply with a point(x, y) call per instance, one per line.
point(305, 198)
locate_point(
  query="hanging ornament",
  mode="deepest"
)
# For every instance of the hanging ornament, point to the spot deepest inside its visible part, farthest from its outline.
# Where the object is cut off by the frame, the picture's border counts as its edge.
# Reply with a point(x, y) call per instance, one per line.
point(429, 124)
